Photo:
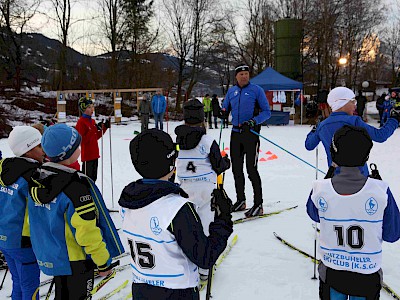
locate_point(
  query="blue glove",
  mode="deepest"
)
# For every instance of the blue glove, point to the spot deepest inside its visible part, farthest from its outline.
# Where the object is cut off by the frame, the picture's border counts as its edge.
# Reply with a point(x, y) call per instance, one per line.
point(248, 125)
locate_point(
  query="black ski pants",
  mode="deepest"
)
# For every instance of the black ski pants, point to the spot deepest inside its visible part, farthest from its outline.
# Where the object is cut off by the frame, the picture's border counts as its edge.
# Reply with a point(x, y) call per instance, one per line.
point(350, 283)
point(142, 291)
point(246, 144)
point(78, 285)
point(89, 168)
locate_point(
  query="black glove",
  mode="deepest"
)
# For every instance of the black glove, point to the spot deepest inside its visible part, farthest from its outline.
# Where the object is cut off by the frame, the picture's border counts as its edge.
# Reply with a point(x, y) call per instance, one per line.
point(107, 123)
point(100, 126)
point(227, 161)
point(223, 114)
point(248, 125)
point(395, 115)
point(222, 205)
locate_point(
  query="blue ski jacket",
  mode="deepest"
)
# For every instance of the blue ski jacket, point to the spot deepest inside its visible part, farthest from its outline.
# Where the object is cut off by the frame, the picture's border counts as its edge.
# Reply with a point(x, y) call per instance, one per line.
point(327, 128)
point(243, 103)
point(158, 104)
point(14, 225)
point(68, 215)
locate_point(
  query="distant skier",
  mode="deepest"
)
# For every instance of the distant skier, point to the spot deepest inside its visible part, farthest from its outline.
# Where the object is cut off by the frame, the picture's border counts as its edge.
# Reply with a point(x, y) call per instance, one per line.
point(351, 232)
point(199, 163)
point(343, 103)
point(166, 255)
point(15, 241)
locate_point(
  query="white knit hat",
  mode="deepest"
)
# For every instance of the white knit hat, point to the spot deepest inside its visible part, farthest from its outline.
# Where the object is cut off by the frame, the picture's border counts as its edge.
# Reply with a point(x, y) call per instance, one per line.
point(339, 96)
point(23, 138)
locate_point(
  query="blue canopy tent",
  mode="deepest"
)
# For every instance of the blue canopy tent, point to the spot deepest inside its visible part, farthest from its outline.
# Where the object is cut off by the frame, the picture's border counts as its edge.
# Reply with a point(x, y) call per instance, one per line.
point(271, 80)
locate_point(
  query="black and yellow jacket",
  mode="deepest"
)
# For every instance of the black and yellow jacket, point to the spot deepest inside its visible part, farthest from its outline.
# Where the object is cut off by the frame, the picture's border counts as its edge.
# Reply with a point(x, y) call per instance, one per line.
point(14, 225)
point(69, 221)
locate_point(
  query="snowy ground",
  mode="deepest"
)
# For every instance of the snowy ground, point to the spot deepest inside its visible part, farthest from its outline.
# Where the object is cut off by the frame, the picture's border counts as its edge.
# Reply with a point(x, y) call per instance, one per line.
point(259, 266)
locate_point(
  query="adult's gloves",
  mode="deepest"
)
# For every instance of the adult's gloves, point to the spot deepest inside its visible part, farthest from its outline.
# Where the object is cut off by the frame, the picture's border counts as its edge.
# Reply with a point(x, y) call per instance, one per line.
point(249, 125)
point(227, 160)
point(222, 205)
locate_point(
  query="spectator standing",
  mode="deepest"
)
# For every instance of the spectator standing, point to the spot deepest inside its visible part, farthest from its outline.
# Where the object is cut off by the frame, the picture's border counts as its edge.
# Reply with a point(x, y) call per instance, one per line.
point(216, 109)
point(249, 107)
point(207, 110)
point(387, 108)
point(158, 105)
point(144, 112)
point(361, 101)
point(90, 133)
point(379, 105)
point(343, 103)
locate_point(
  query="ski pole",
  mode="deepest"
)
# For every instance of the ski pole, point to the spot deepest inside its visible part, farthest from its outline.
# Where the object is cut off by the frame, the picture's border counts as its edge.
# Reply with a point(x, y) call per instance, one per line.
point(112, 180)
point(256, 133)
point(102, 159)
point(315, 233)
point(4, 278)
point(220, 134)
point(50, 289)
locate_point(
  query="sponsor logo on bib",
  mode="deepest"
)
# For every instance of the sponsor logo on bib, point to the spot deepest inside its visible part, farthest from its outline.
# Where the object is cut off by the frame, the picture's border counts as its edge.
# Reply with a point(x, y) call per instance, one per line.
point(371, 206)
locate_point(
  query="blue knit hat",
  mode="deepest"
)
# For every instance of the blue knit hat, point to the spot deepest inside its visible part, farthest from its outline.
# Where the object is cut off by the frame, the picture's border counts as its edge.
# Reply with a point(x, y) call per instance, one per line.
point(60, 141)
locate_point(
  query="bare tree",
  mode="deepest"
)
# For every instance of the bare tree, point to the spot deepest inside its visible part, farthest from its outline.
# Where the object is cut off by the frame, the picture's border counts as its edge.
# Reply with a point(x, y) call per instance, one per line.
point(14, 16)
point(179, 27)
point(391, 38)
point(113, 25)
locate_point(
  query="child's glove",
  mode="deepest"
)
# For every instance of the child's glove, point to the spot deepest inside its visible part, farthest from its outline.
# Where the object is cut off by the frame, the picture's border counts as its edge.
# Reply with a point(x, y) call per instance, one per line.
point(227, 160)
point(222, 205)
point(107, 123)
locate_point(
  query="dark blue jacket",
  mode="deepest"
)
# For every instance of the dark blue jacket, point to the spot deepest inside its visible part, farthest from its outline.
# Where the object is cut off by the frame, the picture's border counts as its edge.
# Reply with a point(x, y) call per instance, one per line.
point(327, 128)
point(241, 102)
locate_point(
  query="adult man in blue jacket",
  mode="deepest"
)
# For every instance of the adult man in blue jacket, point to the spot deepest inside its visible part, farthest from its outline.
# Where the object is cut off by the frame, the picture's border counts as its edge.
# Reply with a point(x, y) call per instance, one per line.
point(249, 107)
point(343, 103)
point(158, 105)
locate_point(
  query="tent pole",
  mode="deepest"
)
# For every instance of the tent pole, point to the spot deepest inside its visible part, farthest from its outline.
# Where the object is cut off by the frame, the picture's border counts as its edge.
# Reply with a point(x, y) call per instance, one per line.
point(301, 107)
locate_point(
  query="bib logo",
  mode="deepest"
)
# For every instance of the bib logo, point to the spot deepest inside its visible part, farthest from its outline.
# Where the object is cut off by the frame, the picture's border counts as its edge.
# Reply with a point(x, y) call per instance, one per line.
point(203, 150)
point(371, 206)
point(322, 205)
point(235, 93)
point(155, 225)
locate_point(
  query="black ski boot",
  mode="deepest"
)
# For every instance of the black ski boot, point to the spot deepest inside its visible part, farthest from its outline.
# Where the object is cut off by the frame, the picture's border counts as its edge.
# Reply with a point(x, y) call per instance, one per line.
point(239, 205)
point(256, 210)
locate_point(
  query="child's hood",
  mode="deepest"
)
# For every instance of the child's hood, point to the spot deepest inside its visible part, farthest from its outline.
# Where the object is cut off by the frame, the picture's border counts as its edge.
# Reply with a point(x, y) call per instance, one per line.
point(143, 192)
point(189, 137)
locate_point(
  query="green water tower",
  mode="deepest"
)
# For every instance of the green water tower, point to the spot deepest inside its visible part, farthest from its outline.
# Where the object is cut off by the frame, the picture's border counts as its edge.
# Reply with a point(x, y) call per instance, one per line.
point(288, 35)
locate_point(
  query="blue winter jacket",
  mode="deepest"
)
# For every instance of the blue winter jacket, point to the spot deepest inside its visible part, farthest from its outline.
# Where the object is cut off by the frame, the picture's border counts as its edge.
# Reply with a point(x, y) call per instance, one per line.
point(158, 104)
point(327, 128)
point(241, 102)
point(67, 214)
point(14, 225)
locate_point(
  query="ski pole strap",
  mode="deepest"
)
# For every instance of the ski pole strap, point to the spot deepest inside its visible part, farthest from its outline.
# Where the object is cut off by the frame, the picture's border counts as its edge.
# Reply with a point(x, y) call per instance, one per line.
point(256, 133)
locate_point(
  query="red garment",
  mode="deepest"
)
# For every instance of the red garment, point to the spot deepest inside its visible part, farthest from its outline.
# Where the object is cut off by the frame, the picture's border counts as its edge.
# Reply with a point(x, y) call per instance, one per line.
point(75, 166)
point(86, 127)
